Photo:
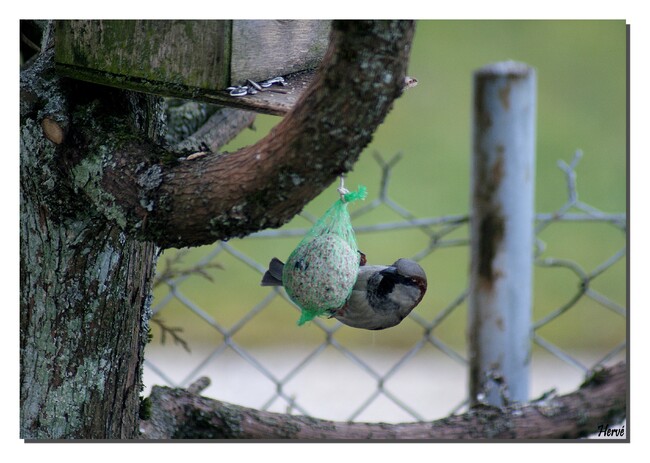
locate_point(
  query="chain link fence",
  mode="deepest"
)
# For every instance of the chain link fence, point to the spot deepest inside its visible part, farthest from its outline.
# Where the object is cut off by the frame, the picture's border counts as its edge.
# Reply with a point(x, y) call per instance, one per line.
point(321, 370)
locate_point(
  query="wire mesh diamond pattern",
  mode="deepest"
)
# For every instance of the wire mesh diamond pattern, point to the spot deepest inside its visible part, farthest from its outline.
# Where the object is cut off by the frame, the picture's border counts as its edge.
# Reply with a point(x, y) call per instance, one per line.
point(437, 231)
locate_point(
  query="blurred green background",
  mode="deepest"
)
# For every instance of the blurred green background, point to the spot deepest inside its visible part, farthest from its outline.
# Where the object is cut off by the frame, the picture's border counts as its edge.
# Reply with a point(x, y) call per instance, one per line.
point(581, 73)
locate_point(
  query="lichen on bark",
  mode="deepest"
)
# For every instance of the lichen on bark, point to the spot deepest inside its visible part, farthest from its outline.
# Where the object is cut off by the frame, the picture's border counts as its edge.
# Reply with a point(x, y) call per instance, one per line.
point(85, 286)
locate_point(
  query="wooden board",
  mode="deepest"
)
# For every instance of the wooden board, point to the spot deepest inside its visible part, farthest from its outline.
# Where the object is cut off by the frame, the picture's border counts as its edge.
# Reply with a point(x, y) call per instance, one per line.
point(267, 102)
point(187, 53)
point(265, 49)
point(194, 59)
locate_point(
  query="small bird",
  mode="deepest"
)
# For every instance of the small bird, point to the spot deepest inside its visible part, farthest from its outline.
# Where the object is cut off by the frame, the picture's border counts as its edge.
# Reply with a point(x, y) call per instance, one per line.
point(381, 297)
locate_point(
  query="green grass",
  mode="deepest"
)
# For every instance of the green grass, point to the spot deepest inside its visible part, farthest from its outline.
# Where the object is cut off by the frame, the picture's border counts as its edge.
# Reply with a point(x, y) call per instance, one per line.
point(581, 74)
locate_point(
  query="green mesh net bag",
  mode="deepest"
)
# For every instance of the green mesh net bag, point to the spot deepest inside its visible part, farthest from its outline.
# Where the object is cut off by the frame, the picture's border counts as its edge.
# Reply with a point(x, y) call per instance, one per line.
point(321, 271)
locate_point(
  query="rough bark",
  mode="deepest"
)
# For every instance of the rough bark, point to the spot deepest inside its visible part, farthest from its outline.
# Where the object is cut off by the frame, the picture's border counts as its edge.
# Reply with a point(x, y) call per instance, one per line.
point(600, 401)
point(85, 286)
point(101, 193)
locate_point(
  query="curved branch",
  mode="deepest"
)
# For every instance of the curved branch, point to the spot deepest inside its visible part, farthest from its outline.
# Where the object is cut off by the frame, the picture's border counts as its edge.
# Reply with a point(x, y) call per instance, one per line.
point(217, 197)
point(601, 401)
point(266, 184)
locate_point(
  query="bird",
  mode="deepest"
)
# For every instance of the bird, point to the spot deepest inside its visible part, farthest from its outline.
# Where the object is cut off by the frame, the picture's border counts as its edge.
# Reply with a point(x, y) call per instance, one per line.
point(382, 296)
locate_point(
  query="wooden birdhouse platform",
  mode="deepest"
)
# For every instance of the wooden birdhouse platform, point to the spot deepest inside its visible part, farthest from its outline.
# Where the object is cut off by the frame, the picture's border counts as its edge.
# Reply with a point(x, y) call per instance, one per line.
point(194, 59)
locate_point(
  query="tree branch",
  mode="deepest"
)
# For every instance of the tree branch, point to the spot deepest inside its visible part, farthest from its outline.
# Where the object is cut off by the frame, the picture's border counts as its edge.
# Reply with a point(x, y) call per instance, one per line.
point(601, 400)
point(215, 197)
point(222, 126)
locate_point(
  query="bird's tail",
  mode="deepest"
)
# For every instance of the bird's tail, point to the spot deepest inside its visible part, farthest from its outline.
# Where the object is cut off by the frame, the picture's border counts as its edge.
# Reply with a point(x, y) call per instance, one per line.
point(273, 276)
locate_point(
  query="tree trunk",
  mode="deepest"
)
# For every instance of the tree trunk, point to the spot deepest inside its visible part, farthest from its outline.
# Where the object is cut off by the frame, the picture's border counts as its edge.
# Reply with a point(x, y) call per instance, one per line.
point(85, 284)
point(100, 195)
point(84, 310)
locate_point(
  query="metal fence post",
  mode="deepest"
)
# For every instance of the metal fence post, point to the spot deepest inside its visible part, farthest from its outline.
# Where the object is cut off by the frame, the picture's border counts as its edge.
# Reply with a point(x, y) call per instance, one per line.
point(502, 234)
